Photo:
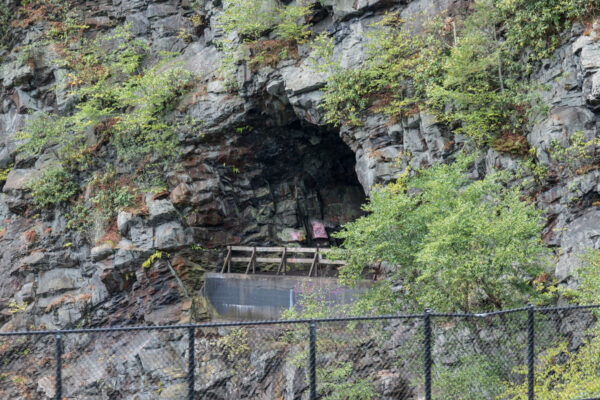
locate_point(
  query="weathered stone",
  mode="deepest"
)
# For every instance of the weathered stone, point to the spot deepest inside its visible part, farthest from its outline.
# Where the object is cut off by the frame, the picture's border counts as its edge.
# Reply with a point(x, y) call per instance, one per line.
point(102, 252)
point(46, 387)
point(125, 255)
point(163, 360)
point(142, 236)
point(558, 127)
point(301, 79)
point(18, 179)
point(590, 55)
point(139, 23)
point(594, 94)
point(581, 234)
point(170, 236)
point(26, 294)
point(160, 10)
point(36, 258)
point(59, 279)
point(161, 211)
point(13, 74)
point(181, 194)
point(124, 221)
point(98, 22)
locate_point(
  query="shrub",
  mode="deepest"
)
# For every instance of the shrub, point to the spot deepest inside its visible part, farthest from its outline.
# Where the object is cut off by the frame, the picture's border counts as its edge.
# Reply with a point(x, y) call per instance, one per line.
point(107, 194)
point(250, 20)
point(536, 25)
point(451, 243)
point(123, 105)
point(53, 186)
point(470, 72)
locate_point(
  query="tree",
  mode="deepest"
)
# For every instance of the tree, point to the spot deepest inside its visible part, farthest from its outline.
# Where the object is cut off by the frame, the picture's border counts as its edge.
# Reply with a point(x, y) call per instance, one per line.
point(452, 243)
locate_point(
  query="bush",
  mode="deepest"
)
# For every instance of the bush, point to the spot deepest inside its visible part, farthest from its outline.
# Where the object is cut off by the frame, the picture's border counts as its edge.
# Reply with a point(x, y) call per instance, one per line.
point(107, 194)
point(451, 243)
point(53, 186)
point(470, 72)
point(536, 25)
point(250, 20)
point(123, 105)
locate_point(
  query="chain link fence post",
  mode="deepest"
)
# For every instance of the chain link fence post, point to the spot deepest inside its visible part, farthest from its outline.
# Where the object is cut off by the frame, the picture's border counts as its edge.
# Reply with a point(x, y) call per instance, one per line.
point(313, 360)
point(191, 362)
point(530, 351)
point(58, 372)
point(427, 352)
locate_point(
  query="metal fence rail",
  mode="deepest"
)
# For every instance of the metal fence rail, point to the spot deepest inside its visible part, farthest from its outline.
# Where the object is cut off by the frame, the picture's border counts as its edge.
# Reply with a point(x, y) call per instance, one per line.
point(424, 350)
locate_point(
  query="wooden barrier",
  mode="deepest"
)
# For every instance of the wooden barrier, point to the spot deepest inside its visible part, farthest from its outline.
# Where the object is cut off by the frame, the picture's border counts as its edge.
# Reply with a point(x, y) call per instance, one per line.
point(283, 259)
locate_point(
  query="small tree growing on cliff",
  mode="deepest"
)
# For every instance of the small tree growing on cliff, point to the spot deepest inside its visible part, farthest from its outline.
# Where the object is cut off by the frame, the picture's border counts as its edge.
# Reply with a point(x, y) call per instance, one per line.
point(452, 243)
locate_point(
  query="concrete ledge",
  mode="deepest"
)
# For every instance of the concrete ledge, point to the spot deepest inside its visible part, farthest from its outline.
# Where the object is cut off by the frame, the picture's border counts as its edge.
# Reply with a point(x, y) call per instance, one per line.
point(245, 297)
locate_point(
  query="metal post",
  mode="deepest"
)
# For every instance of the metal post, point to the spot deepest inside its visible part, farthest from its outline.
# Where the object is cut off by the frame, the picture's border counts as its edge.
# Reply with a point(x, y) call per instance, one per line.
point(530, 352)
point(427, 352)
point(313, 360)
point(191, 363)
point(58, 373)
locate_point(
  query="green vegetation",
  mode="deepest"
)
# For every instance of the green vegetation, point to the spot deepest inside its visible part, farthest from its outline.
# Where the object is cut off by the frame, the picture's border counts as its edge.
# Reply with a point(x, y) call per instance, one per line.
point(579, 157)
point(5, 19)
point(251, 20)
point(54, 185)
point(121, 109)
point(4, 173)
point(157, 255)
point(467, 71)
point(452, 243)
point(120, 103)
point(563, 373)
point(536, 25)
point(107, 194)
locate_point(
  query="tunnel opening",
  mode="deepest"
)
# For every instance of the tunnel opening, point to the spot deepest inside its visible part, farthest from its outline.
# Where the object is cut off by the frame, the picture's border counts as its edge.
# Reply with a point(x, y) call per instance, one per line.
point(304, 183)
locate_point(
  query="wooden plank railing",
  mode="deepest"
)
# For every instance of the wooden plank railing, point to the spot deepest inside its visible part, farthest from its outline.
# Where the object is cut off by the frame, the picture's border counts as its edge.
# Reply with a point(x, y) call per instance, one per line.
point(283, 259)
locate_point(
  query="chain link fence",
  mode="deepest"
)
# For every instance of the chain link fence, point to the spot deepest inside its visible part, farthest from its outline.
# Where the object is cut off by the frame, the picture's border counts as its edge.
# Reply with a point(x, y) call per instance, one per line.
point(423, 356)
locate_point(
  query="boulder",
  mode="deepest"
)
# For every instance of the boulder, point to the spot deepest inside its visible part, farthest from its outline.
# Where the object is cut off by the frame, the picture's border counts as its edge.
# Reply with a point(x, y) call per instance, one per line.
point(18, 179)
point(170, 236)
point(124, 220)
point(102, 252)
point(59, 279)
point(161, 211)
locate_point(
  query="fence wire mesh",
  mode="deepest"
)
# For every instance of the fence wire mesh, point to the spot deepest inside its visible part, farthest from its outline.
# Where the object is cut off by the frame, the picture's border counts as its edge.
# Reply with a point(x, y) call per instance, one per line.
point(425, 356)
point(22, 368)
point(369, 359)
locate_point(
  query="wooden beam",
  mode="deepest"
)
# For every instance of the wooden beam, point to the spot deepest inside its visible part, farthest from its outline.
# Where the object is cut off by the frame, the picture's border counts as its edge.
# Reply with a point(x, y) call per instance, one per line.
point(282, 264)
point(227, 261)
point(289, 260)
point(314, 265)
point(280, 249)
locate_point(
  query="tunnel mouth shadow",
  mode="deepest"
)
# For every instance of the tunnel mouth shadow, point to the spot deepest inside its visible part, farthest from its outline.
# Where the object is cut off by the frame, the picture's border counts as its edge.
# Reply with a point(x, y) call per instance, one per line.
point(304, 182)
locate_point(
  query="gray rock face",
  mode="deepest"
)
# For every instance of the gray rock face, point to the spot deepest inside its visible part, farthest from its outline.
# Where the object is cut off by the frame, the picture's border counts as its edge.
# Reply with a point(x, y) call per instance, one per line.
point(256, 167)
point(17, 179)
point(160, 211)
point(57, 280)
point(581, 234)
point(558, 128)
point(170, 236)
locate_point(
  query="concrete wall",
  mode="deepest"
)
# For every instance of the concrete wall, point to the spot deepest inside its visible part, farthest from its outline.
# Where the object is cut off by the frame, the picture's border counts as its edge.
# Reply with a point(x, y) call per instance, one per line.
point(239, 296)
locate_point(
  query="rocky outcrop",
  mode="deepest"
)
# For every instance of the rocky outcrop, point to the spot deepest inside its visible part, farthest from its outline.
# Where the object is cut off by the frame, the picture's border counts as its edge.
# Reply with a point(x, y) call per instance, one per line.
point(255, 167)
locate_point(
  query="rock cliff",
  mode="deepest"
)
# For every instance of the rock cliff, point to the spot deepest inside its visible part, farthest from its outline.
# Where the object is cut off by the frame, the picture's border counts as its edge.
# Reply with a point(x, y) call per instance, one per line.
point(254, 166)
